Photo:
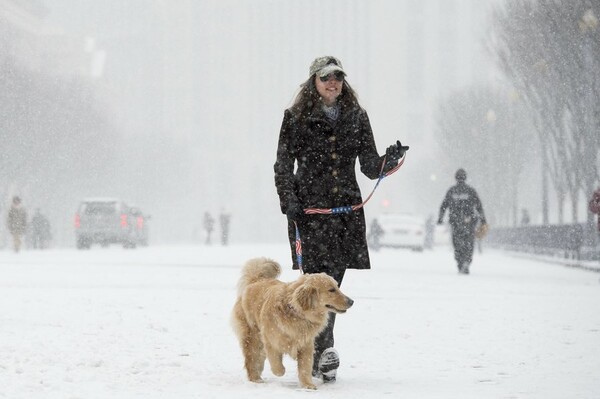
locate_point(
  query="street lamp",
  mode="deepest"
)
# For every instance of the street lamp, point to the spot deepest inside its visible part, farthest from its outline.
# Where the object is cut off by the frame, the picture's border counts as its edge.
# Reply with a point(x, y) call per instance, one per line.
point(490, 117)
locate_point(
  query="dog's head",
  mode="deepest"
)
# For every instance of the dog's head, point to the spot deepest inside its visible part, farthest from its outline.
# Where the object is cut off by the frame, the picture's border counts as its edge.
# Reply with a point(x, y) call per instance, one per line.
point(320, 292)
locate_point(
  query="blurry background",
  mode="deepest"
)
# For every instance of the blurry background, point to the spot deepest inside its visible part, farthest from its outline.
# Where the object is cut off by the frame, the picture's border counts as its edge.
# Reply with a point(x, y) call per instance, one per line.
point(176, 105)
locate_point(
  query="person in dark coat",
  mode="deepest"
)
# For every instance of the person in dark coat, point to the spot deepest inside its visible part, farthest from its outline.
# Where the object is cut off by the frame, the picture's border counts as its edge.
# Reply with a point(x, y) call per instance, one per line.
point(375, 233)
point(465, 212)
point(525, 219)
point(594, 205)
point(224, 219)
point(17, 222)
point(322, 134)
point(209, 225)
point(40, 230)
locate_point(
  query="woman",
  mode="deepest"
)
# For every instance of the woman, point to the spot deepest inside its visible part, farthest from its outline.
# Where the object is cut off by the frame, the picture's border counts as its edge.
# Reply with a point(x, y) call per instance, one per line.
point(324, 132)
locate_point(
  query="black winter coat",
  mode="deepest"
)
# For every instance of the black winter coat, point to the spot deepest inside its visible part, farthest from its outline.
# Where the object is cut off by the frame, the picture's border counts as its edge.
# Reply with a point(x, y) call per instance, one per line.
point(464, 207)
point(326, 153)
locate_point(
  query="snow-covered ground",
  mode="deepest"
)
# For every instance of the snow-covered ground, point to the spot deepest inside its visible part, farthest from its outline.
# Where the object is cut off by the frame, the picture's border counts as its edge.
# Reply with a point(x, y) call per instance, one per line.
point(154, 323)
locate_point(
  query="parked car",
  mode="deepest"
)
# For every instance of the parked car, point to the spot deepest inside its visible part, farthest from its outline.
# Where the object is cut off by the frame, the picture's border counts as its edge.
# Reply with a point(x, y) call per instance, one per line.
point(442, 235)
point(398, 230)
point(108, 221)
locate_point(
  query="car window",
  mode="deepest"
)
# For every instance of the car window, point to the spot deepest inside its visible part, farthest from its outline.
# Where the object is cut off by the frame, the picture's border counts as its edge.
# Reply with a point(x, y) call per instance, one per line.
point(100, 208)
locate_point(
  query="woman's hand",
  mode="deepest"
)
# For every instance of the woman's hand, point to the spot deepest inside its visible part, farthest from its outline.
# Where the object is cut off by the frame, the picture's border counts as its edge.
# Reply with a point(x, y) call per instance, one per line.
point(294, 210)
point(396, 151)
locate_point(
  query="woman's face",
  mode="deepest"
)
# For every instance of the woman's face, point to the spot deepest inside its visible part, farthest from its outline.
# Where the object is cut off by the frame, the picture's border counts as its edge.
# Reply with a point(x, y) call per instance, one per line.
point(331, 88)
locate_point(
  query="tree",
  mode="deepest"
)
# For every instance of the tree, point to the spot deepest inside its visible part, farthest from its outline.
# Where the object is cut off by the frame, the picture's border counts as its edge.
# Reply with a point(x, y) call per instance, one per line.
point(550, 51)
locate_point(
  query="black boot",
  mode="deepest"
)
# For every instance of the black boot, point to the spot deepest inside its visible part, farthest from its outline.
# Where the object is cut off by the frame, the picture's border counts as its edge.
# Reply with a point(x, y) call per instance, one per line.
point(459, 266)
point(328, 365)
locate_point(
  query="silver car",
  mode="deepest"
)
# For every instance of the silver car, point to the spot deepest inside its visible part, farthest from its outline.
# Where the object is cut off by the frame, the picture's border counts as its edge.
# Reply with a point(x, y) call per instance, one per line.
point(108, 221)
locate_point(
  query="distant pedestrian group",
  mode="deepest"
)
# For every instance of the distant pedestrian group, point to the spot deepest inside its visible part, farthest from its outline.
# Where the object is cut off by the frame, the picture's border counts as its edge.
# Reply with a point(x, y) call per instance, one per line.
point(209, 226)
point(38, 231)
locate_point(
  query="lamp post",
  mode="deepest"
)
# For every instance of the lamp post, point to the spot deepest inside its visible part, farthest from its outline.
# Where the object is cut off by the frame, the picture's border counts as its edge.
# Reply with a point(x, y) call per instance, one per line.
point(490, 117)
point(515, 158)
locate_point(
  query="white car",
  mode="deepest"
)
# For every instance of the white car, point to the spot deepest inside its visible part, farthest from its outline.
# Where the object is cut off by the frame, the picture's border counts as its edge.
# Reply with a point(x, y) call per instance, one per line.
point(442, 235)
point(397, 230)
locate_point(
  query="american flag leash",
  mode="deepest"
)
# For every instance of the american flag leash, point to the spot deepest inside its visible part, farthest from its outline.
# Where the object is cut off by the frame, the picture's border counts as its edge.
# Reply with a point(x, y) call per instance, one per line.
point(352, 208)
point(341, 209)
point(298, 248)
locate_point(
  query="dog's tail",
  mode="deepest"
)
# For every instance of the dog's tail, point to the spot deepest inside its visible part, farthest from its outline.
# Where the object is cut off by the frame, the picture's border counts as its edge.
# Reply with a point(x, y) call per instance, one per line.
point(258, 269)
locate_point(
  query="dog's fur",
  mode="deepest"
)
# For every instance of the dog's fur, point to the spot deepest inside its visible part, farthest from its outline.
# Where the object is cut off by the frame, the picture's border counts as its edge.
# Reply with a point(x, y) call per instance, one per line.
point(272, 318)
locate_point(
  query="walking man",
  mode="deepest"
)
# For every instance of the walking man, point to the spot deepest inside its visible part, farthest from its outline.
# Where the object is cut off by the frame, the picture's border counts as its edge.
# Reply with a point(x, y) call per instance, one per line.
point(465, 211)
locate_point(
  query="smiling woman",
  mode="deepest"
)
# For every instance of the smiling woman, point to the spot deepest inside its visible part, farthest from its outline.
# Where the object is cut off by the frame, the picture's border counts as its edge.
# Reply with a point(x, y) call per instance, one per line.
point(323, 133)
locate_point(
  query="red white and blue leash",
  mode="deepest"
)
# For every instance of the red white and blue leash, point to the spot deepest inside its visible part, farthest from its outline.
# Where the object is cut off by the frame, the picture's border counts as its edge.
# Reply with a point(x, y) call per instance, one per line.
point(342, 209)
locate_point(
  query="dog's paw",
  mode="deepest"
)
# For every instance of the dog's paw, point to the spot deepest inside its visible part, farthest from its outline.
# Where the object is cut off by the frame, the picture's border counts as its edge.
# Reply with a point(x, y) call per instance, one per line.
point(257, 380)
point(309, 386)
point(278, 371)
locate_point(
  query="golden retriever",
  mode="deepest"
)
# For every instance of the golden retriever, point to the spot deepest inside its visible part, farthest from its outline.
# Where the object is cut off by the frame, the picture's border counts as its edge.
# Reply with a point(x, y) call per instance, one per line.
point(271, 318)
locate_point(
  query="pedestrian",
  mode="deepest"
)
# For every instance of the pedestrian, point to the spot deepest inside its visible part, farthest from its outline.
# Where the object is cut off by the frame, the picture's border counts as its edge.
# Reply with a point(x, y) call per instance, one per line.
point(594, 205)
point(40, 230)
point(375, 233)
point(465, 212)
point(525, 219)
point(429, 231)
point(17, 222)
point(209, 225)
point(323, 133)
point(224, 219)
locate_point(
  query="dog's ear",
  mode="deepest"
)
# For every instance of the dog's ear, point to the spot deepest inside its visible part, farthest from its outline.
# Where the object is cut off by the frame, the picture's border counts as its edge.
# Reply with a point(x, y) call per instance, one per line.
point(307, 296)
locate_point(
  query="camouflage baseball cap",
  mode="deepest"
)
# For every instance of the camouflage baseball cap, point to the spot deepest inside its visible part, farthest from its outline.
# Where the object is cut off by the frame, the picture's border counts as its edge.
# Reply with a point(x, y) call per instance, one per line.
point(323, 66)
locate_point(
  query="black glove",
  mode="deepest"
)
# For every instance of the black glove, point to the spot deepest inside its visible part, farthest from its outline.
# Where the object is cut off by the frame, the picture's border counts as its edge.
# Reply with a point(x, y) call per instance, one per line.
point(294, 210)
point(396, 151)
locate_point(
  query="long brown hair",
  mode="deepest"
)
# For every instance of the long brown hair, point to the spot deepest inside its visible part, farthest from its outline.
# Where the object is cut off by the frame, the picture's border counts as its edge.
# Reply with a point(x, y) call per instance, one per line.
point(308, 98)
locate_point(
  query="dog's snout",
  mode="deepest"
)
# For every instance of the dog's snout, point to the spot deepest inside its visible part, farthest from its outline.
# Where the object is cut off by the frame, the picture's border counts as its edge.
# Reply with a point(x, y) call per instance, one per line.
point(349, 301)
